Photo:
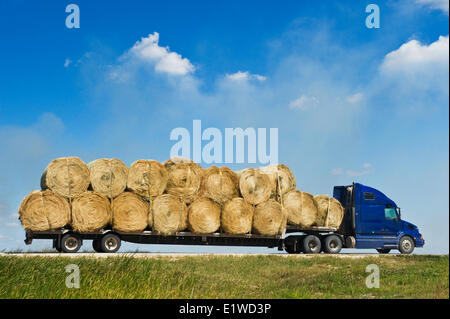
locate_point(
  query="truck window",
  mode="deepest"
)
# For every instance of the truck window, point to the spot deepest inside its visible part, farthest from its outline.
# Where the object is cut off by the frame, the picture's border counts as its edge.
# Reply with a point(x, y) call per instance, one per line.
point(390, 213)
point(368, 196)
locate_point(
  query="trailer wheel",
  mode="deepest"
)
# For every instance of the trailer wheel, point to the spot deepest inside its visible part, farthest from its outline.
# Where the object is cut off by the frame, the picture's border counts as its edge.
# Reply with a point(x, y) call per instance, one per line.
point(96, 246)
point(332, 244)
point(406, 245)
point(70, 243)
point(311, 244)
point(291, 245)
point(383, 250)
point(110, 243)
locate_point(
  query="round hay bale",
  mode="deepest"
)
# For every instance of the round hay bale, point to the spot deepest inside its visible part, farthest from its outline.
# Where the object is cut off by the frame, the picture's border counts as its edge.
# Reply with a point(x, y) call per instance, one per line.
point(269, 218)
point(204, 216)
point(220, 184)
point(254, 186)
point(185, 179)
point(130, 213)
point(301, 208)
point(169, 214)
point(147, 178)
point(66, 176)
point(44, 210)
point(90, 211)
point(237, 216)
point(330, 211)
point(282, 178)
point(108, 176)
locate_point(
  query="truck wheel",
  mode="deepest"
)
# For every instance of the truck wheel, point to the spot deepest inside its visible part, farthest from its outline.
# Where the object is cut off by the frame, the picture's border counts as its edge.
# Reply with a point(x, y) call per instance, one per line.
point(291, 245)
point(383, 250)
point(332, 244)
point(406, 245)
point(70, 243)
point(96, 246)
point(311, 244)
point(110, 243)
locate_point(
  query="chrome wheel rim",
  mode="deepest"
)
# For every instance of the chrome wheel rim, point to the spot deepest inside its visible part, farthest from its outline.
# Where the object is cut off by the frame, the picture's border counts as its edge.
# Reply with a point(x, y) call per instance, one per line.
point(111, 243)
point(71, 243)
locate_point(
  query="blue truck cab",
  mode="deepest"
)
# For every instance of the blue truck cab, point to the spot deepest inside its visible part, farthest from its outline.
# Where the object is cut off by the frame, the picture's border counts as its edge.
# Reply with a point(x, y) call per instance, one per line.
point(373, 220)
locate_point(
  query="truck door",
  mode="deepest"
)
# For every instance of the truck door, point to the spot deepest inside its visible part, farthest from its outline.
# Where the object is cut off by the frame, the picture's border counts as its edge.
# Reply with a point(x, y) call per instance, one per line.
point(377, 222)
point(391, 222)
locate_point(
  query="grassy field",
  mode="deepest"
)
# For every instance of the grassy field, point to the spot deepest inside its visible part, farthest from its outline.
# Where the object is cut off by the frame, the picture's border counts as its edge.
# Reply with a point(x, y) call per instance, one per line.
point(225, 277)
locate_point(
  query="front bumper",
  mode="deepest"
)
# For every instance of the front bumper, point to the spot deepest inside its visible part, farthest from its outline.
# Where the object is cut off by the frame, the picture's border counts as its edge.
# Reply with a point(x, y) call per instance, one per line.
point(420, 242)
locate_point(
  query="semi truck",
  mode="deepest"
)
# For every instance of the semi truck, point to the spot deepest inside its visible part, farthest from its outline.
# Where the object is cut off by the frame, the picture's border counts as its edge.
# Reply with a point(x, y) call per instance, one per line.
point(371, 221)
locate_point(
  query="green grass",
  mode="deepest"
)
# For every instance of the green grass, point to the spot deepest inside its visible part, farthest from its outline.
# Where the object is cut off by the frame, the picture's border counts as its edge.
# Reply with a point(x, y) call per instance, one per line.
point(417, 276)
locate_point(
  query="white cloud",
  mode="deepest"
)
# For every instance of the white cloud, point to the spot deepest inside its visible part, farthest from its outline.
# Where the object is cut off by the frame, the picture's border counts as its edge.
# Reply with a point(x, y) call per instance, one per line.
point(414, 56)
point(245, 76)
point(12, 224)
point(355, 98)
point(164, 61)
point(67, 62)
point(435, 4)
point(304, 103)
point(367, 169)
point(337, 171)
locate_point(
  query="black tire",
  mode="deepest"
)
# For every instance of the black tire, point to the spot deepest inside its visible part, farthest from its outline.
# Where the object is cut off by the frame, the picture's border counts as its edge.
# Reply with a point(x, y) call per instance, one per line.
point(383, 250)
point(70, 243)
point(110, 243)
point(291, 245)
point(332, 244)
point(57, 245)
point(406, 245)
point(96, 246)
point(311, 244)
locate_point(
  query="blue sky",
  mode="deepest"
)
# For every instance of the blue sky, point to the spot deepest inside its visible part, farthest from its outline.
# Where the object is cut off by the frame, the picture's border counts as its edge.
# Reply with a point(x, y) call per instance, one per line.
point(350, 103)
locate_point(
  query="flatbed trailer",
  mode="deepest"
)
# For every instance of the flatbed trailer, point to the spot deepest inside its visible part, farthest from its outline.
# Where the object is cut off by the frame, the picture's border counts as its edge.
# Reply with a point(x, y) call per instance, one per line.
point(109, 241)
point(371, 221)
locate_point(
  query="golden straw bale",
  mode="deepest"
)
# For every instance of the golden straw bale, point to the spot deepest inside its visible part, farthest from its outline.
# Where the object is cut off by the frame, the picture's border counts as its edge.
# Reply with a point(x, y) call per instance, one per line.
point(66, 176)
point(130, 212)
point(330, 211)
point(147, 178)
point(269, 218)
point(169, 214)
point(237, 216)
point(108, 176)
point(40, 211)
point(220, 184)
point(204, 216)
point(185, 179)
point(301, 208)
point(255, 187)
point(282, 178)
point(90, 211)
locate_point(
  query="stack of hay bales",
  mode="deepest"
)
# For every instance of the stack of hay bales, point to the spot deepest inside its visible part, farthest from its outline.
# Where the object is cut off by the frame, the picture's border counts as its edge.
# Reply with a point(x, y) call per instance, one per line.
point(178, 195)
